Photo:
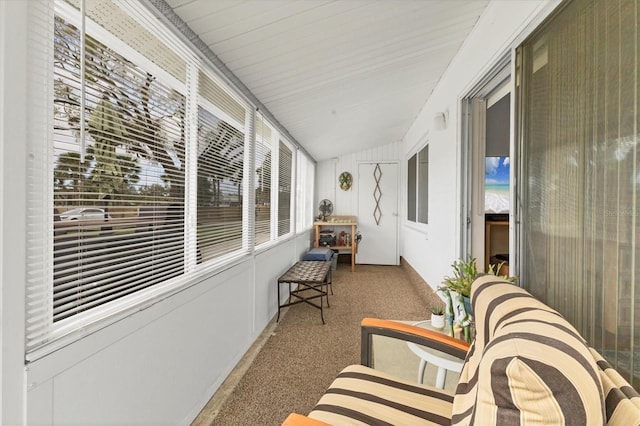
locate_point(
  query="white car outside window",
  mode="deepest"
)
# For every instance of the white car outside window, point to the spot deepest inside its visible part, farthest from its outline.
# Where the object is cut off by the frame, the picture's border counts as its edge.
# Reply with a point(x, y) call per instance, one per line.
point(83, 213)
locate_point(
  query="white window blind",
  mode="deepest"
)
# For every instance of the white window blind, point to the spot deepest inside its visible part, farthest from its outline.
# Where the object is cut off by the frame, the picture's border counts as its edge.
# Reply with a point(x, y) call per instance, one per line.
point(310, 198)
point(220, 177)
point(221, 151)
point(113, 150)
point(263, 172)
point(211, 90)
point(285, 181)
point(131, 170)
point(124, 22)
point(39, 220)
point(304, 192)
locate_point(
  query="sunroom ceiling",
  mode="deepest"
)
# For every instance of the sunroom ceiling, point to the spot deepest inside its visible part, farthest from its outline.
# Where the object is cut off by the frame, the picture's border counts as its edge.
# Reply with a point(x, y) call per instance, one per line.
point(340, 75)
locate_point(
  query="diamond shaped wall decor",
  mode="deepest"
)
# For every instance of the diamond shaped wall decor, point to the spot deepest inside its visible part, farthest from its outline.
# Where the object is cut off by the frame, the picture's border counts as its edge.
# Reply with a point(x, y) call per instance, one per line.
point(377, 194)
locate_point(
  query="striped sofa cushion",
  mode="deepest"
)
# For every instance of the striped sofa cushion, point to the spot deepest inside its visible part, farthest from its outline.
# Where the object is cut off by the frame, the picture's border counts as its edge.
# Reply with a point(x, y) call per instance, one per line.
point(526, 365)
point(621, 400)
point(363, 396)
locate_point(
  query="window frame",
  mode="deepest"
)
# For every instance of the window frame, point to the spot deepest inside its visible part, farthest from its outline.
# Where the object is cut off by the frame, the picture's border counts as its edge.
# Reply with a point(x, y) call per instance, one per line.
point(305, 172)
point(261, 140)
point(292, 192)
point(276, 138)
point(420, 192)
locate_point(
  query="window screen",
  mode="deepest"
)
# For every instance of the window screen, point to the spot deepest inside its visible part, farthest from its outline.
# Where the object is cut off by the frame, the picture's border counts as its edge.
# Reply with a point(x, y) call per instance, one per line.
point(580, 228)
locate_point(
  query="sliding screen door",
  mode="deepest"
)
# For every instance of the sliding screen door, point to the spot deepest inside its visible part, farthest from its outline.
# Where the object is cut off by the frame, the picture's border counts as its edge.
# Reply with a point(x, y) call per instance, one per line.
point(580, 232)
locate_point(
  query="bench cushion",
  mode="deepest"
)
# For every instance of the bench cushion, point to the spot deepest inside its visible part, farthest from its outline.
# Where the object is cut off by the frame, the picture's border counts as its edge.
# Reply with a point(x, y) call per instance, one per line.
point(318, 254)
point(621, 400)
point(361, 395)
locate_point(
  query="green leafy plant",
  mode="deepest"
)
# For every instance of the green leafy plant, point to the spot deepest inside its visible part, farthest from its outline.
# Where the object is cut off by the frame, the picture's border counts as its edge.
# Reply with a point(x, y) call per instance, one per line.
point(458, 286)
point(437, 309)
point(494, 269)
point(464, 273)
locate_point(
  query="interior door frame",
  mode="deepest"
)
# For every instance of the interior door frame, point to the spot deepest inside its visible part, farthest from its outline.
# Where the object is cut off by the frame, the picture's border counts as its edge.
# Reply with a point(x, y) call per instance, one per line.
point(397, 206)
point(473, 140)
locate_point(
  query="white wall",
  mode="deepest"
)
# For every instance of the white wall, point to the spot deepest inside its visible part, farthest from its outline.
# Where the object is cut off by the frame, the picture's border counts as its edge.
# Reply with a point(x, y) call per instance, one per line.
point(161, 365)
point(432, 249)
point(327, 172)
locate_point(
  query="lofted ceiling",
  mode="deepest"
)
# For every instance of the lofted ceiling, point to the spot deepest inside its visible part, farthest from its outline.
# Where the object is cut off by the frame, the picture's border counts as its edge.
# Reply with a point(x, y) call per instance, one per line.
point(340, 75)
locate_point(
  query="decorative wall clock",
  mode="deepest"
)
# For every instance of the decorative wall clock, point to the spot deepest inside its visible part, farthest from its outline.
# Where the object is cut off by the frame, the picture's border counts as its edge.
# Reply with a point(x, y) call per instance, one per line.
point(345, 180)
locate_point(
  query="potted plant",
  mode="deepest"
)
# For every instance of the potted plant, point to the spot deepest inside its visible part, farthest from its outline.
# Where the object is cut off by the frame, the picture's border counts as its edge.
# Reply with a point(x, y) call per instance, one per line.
point(456, 290)
point(437, 315)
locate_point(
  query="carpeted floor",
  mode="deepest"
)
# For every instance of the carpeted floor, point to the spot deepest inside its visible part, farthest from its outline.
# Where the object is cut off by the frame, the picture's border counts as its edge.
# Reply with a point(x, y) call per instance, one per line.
point(300, 357)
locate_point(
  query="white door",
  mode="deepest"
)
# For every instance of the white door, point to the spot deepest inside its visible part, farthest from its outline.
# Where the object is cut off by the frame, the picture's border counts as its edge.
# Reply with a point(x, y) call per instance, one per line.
point(378, 213)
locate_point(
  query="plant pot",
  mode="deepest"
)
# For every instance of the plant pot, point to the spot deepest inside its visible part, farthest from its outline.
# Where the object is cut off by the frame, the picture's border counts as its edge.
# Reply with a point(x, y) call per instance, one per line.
point(437, 321)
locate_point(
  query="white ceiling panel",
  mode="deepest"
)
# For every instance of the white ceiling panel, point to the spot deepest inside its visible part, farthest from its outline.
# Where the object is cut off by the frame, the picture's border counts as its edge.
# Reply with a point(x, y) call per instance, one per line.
point(341, 76)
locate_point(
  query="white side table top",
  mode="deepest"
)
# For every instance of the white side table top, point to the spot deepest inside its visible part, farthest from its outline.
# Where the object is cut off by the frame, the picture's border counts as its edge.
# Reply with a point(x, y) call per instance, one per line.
point(433, 356)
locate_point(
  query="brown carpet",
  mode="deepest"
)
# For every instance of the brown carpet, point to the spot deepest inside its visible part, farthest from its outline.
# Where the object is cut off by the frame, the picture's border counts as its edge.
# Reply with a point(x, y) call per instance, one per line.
point(301, 357)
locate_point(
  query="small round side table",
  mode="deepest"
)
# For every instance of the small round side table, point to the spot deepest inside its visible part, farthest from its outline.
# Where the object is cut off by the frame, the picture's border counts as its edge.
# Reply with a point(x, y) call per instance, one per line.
point(443, 361)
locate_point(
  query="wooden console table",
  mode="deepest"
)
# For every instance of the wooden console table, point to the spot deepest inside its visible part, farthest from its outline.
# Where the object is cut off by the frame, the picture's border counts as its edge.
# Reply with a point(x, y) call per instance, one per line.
point(339, 221)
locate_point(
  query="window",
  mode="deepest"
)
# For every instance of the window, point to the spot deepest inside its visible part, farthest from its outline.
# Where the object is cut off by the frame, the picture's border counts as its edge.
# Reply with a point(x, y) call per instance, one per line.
point(305, 190)
point(220, 168)
point(274, 162)
point(128, 160)
point(220, 155)
point(140, 158)
point(285, 176)
point(138, 169)
point(418, 186)
point(263, 155)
